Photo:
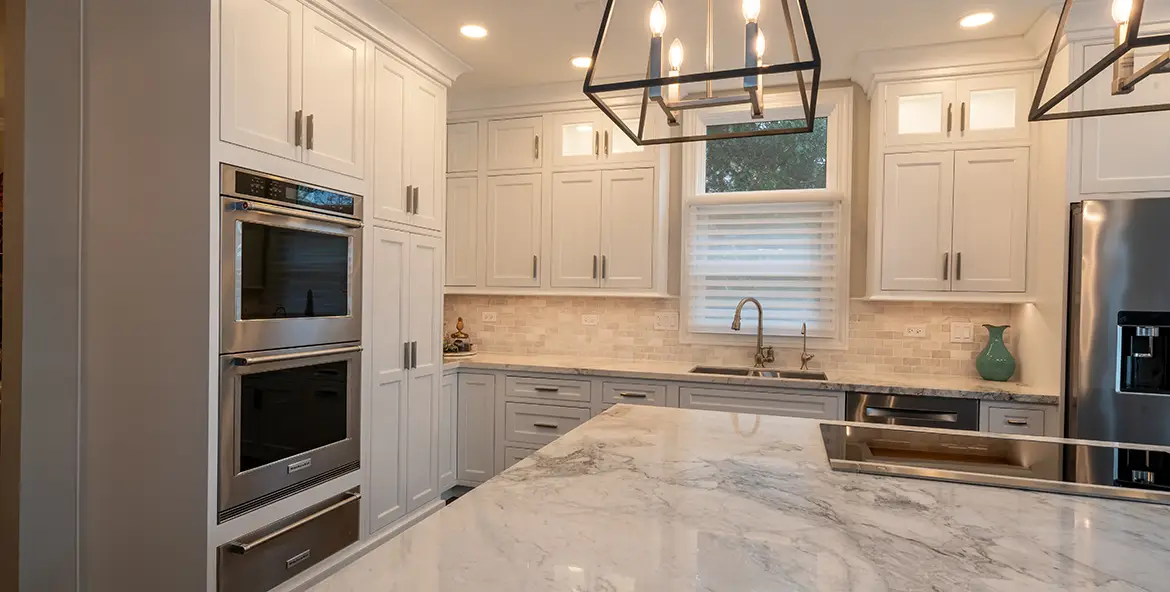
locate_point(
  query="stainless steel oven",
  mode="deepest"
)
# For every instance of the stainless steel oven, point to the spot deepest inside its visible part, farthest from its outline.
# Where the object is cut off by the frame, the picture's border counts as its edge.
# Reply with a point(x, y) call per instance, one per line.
point(290, 268)
point(288, 419)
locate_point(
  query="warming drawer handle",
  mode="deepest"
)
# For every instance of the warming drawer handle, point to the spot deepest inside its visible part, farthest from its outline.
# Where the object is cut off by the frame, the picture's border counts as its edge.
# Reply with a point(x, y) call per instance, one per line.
point(254, 360)
point(252, 206)
point(242, 547)
point(888, 413)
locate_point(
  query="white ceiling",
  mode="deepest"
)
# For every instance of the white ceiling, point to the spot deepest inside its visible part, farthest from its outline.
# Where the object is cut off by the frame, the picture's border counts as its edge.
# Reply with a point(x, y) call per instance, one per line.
point(530, 42)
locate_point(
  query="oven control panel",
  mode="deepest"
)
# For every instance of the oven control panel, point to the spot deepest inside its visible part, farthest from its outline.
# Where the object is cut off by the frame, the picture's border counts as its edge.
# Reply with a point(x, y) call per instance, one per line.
point(253, 185)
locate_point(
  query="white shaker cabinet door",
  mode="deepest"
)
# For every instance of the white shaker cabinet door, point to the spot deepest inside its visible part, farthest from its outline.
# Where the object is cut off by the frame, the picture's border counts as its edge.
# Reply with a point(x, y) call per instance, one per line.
point(392, 79)
point(921, 113)
point(513, 231)
point(260, 75)
point(515, 143)
point(617, 147)
point(991, 220)
point(463, 147)
point(576, 230)
point(462, 232)
point(425, 314)
point(995, 108)
point(576, 138)
point(627, 229)
point(426, 120)
point(917, 204)
point(389, 357)
point(477, 427)
point(447, 433)
point(334, 96)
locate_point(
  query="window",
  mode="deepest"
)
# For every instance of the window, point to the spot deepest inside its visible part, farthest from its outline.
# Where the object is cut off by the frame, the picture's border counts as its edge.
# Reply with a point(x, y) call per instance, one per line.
point(767, 217)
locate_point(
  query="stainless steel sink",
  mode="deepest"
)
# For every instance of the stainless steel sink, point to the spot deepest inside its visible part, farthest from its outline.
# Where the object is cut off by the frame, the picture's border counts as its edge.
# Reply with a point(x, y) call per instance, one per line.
point(759, 373)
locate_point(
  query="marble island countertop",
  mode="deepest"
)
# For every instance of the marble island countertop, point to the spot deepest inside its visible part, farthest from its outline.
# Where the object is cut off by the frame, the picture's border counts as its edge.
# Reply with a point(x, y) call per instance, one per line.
point(652, 499)
point(890, 384)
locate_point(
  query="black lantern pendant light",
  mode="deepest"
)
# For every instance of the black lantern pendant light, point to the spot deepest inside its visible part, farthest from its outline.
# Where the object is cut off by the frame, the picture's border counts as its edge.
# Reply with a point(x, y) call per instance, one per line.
point(661, 92)
point(1128, 16)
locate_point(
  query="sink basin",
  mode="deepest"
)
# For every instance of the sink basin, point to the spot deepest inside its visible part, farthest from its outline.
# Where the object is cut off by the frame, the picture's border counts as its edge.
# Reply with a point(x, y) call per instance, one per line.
point(759, 373)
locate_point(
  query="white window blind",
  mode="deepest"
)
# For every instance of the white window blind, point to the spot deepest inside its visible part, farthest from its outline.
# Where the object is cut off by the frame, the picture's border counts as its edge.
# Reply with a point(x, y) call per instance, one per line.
point(785, 254)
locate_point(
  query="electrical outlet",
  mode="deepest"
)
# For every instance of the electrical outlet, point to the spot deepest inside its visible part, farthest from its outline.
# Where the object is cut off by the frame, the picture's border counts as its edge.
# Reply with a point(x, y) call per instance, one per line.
point(916, 331)
point(962, 333)
point(490, 317)
point(666, 321)
point(590, 320)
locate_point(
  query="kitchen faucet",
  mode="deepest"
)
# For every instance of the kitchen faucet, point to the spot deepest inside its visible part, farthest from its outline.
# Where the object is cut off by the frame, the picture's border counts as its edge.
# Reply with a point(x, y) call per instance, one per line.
point(764, 355)
point(805, 357)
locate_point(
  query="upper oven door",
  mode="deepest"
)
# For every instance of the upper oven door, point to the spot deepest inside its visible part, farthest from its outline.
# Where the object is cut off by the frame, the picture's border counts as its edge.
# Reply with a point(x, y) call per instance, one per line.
point(288, 277)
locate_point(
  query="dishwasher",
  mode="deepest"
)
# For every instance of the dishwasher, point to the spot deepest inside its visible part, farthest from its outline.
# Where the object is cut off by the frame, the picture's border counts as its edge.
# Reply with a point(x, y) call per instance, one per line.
point(911, 410)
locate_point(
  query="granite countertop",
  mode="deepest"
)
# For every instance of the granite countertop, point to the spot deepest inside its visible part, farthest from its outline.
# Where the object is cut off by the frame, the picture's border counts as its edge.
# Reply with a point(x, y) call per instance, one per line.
point(892, 384)
point(644, 499)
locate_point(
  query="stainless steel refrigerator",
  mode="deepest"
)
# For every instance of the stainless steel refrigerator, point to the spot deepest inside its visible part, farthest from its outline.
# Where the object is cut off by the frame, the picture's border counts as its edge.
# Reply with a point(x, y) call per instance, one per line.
point(1118, 383)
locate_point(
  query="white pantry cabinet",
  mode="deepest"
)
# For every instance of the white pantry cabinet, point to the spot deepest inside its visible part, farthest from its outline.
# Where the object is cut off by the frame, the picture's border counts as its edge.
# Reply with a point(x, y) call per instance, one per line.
point(448, 421)
point(407, 360)
point(958, 110)
point(955, 221)
point(513, 207)
point(409, 120)
point(477, 435)
point(514, 144)
point(292, 84)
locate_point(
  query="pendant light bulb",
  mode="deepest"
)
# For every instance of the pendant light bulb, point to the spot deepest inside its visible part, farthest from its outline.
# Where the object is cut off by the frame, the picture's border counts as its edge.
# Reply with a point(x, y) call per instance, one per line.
point(751, 10)
point(1122, 10)
point(760, 45)
point(658, 19)
point(676, 55)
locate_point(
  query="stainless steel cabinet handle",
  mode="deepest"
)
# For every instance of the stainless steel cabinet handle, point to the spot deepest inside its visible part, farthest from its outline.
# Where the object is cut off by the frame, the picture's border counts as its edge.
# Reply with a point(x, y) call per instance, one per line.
point(254, 206)
point(963, 118)
point(911, 414)
point(946, 266)
point(242, 547)
point(309, 132)
point(254, 360)
point(298, 127)
point(550, 426)
point(607, 142)
point(958, 266)
point(406, 355)
point(413, 354)
point(535, 263)
point(604, 267)
point(409, 197)
point(597, 143)
point(414, 209)
point(1016, 422)
point(633, 395)
point(595, 267)
point(536, 148)
point(546, 389)
point(950, 117)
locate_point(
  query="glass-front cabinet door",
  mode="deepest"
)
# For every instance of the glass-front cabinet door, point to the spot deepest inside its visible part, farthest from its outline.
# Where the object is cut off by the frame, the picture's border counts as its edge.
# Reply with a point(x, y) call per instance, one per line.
point(921, 113)
point(576, 138)
point(616, 146)
point(994, 107)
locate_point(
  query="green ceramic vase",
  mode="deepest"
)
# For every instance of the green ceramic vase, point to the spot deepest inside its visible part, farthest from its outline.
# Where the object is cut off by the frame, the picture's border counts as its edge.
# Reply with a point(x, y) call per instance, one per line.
point(995, 362)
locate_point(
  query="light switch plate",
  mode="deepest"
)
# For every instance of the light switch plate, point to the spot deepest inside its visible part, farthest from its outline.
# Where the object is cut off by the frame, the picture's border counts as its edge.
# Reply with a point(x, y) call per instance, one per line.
point(590, 320)
point(490, 317)
point(915, 331)
point(962, 333)
point(666, 321)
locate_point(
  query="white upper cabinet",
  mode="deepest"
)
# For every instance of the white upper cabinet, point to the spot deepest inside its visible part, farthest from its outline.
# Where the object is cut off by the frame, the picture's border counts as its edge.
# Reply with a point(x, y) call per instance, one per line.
point(260, 75)
point(391, 82)
point(917, 207)
point(616, 146)
point(515, 143)
point(627, 229)
point(576, 230)
point(334, 96)
point(462, 231)
point(463, 147)
point(990, 220)
point(958, 111)
point(513, 231)
point(576, 138)
point(426, 122)
point(1124, 153)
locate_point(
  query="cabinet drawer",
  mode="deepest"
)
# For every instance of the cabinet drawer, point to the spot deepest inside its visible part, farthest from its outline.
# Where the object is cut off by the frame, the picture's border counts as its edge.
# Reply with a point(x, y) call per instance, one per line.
point(540, 424)
point(552, 389)
point(1009, 420)
point(267, 557)
point(513, 455)
point(789, 404)
point(632, 393)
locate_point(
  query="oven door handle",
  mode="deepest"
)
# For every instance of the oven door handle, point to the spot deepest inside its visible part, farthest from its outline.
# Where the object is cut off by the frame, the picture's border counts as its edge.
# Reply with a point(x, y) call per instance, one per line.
point(252, 206)
point(254, 360)
point(885, 412)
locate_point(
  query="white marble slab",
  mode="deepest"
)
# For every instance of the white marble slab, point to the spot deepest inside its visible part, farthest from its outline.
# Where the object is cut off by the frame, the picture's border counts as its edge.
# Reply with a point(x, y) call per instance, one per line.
point(674, 500)
point(907, 384)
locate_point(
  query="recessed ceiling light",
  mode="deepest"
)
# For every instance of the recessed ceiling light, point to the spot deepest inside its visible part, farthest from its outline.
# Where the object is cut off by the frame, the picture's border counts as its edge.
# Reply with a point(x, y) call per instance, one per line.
point(977, 19)
point(582, 62)
point(473, 31)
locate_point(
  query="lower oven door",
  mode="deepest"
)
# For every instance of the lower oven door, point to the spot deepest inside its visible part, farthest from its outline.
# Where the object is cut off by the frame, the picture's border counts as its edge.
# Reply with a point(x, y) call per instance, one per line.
point(288, 419)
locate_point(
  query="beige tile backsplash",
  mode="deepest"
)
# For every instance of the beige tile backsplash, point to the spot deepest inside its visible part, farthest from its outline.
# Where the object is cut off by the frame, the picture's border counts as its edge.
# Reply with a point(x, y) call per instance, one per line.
point(552, 325)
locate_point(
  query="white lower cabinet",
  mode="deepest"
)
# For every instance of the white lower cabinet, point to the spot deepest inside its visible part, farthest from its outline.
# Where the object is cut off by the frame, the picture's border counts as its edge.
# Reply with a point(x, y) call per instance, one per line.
point(515, 454)
point(476, 438)
point(448, 444)
point(789, 403)
point(540, 424)
point(407, 370)
point(1020, 419)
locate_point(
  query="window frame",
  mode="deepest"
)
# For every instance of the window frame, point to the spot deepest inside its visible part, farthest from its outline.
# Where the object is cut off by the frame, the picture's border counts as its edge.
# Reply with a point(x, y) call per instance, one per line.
point(836, 105)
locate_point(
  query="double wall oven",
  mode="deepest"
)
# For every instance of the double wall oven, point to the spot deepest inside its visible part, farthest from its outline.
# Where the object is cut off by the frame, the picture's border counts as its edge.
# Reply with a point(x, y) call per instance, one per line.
point(290, 337)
